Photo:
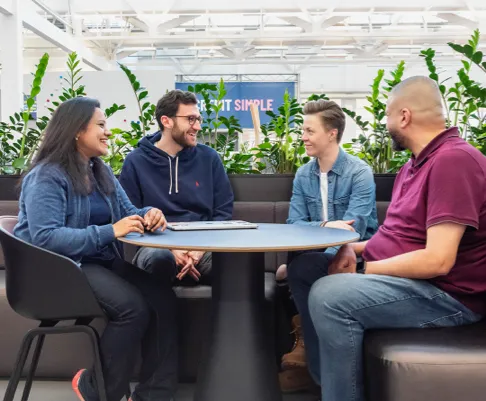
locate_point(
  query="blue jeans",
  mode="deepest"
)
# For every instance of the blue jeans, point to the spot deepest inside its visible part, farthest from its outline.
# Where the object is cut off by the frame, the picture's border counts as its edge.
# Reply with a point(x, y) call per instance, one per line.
point(336, 310)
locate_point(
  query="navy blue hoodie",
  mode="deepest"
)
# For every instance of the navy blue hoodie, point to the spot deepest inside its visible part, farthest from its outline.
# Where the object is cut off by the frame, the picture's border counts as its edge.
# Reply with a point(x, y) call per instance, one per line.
point(191, 186)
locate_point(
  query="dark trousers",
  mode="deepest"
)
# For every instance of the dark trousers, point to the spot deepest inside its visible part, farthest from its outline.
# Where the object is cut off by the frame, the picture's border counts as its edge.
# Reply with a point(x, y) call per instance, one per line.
point(283, 289)
point(141, 316)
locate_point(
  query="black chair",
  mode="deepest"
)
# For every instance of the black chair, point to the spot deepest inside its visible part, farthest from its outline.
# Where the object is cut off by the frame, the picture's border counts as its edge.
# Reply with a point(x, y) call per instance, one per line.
point(44, 286)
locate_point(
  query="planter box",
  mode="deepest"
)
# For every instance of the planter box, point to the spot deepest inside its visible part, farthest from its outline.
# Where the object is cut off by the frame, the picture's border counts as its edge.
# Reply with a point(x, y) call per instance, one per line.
point(384, 186)
point(9, 189)
point(262, 187)
point(246, 187)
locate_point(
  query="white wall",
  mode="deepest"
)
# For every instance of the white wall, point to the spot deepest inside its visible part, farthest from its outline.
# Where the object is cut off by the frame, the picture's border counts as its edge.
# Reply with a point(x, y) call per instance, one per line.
point(109, 87)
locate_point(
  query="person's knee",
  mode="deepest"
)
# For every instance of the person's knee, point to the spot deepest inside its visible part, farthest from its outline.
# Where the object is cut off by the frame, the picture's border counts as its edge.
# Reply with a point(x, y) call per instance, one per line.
point(333, 294)
point(154, 257)
point(160, 262)
point(134, 311)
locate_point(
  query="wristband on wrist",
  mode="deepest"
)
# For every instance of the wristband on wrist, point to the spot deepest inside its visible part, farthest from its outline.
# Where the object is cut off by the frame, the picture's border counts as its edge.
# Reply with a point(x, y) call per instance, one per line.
point(361, 267)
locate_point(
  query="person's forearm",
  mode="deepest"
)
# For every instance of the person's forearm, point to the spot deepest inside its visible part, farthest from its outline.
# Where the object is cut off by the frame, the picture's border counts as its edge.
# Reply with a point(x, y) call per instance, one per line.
point(358, 247)
point(416, 265)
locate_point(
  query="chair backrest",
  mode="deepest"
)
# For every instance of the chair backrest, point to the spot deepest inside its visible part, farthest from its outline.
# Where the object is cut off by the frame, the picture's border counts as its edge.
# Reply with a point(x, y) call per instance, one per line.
point(43, 285)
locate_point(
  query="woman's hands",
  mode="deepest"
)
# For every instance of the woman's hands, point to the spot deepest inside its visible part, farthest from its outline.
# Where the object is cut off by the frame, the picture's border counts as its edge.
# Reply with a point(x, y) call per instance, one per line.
point(153, 220)
point(130, 224)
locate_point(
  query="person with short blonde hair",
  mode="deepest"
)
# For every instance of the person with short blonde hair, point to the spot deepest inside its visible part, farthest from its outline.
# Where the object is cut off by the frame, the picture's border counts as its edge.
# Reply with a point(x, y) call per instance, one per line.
point(334, 190)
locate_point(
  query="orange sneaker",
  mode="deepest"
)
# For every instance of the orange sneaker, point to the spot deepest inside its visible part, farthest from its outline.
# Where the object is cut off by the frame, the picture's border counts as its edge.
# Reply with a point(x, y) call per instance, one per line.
point(75, 384)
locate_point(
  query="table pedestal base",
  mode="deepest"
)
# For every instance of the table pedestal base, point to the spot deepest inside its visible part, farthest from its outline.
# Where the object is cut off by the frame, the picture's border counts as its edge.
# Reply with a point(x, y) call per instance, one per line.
point(240, 361)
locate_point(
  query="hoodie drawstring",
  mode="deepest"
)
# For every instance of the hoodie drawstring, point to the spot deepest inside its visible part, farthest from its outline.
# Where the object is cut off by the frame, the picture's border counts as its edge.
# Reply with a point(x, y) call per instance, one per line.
point(170, 173)
point(176, 175)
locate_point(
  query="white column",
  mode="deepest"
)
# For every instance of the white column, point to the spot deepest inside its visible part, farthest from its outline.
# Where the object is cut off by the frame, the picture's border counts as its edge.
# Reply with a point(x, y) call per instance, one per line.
point(351, 127)
point(11, 45)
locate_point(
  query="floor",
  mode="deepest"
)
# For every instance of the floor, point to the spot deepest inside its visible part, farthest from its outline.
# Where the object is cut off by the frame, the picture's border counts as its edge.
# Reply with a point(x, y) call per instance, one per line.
point(61, 391)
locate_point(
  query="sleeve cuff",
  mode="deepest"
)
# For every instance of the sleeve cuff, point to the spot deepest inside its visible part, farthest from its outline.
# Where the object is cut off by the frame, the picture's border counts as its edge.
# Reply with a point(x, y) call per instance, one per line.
point(106, 235)
point(144, 211)
point(445, 218)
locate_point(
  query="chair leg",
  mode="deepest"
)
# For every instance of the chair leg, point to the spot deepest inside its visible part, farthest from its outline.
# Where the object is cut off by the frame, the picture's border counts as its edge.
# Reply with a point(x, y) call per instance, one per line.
point(19, 365)
point(98, 369)
point(33, 367)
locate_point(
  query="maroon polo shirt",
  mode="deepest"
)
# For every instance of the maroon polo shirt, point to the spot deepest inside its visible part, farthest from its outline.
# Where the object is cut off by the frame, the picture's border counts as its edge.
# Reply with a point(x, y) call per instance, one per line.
point(445, 183)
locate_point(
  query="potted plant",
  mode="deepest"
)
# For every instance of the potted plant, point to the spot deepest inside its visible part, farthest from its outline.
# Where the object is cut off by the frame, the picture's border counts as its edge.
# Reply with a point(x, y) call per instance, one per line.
point(465, 99)
point(20, 135)
point(374, 145)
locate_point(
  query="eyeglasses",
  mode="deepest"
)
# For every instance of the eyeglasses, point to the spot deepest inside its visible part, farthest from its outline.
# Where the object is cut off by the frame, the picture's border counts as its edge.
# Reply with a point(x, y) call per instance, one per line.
point(192, 119)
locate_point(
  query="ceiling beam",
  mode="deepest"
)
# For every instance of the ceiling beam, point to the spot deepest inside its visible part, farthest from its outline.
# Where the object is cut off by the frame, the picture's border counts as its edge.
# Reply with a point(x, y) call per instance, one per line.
point(332, 21)
point(227, 52)
point(133, 5)
point(175, 22)
point(372, 51)
point(417, 34)
point(458, 20)
point(6, 7)
point(138, 23)
point(299, 22)
point(43, 28)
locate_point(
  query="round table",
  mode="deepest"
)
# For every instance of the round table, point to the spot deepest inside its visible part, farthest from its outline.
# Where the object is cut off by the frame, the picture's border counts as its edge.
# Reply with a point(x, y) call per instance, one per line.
point(240, 364)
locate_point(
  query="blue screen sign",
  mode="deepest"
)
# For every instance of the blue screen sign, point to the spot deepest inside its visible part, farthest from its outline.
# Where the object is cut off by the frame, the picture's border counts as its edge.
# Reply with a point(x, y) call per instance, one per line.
point(267, 96)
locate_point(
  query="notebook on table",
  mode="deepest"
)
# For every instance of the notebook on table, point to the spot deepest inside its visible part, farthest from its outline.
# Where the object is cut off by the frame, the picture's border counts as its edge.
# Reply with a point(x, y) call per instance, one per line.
point(211, 225)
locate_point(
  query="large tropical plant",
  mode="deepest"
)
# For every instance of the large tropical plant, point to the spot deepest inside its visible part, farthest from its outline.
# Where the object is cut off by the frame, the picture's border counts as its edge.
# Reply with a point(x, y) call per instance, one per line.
point(123, 141)
point(374, 144)
point(464, 99)
point(21, 134)
point(19, 137)
point(220, 132)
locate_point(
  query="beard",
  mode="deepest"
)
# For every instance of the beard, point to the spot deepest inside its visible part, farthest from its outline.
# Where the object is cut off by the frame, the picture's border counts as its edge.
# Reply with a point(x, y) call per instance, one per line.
point(179, 137)
point(398, 141)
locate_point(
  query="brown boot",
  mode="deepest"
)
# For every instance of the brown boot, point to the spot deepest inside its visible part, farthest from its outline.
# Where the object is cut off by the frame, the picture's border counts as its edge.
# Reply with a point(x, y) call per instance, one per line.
point(294, 380)
point(296, 357)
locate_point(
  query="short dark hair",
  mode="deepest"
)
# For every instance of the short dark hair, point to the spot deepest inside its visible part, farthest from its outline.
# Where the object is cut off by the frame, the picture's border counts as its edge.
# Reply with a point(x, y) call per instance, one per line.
point(332, 116)
point(169, 104)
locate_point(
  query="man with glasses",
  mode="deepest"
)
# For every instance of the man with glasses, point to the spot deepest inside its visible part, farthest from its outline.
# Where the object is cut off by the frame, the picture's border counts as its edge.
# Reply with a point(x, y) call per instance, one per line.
point(171, 171)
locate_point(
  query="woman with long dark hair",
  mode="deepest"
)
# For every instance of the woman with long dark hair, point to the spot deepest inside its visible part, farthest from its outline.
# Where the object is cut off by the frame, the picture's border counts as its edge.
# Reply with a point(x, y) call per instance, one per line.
point(72, 204)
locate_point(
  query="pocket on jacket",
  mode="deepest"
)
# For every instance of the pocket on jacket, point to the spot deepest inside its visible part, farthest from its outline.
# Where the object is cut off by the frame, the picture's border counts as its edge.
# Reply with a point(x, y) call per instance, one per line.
point(313, 208)
point(455, 319)
point(340, 207)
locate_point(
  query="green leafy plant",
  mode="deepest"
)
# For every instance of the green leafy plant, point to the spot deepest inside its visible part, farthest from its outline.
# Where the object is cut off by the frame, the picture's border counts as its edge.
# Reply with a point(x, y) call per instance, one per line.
point(123, 141)
point(70, 88)
point(18, 137)
point(282, 150)
point(374, 145)
point(465, 99)
point(222, 133)
point(146, 118)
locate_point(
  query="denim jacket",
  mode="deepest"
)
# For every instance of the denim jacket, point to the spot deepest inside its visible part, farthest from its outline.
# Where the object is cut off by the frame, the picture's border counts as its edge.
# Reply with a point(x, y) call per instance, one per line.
point(54, 217)
point(351, 195)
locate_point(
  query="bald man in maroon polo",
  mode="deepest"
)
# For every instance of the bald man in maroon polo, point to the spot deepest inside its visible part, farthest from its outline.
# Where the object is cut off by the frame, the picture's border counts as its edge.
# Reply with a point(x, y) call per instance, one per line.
point(426, 265)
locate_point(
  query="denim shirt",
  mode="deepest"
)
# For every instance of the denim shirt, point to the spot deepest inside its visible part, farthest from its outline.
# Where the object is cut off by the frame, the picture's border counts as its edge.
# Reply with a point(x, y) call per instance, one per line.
point(54, 217)
point(351, 195)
